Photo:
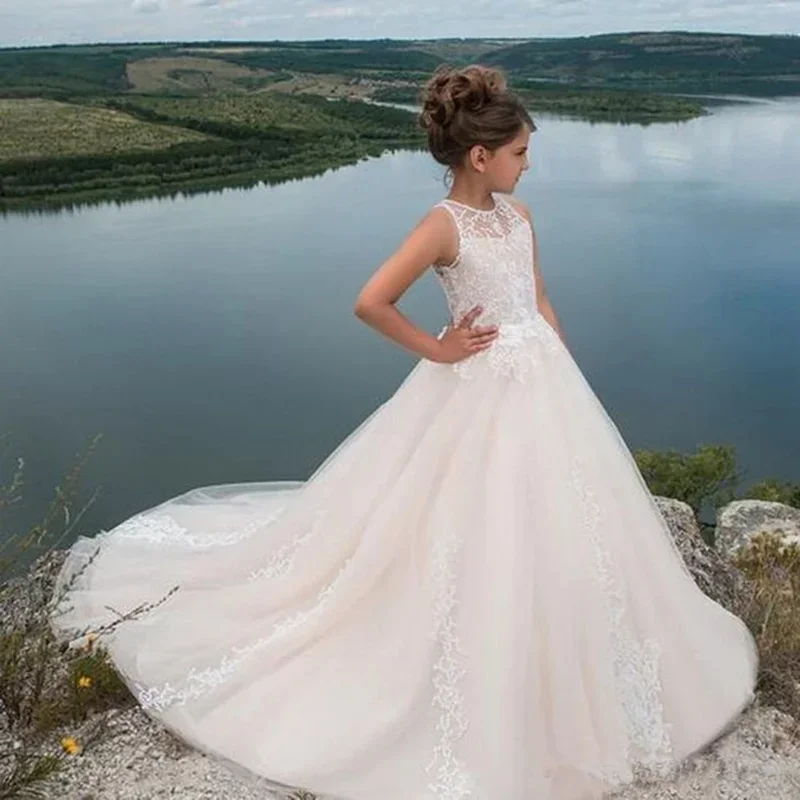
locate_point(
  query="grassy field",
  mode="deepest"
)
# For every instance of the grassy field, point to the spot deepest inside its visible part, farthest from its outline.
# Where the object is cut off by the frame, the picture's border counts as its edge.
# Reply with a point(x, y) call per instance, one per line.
point(37, 128)
point(194, 74)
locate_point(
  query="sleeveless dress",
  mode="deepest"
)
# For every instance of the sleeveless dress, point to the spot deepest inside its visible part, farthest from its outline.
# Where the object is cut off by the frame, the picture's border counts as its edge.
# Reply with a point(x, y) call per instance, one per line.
point(473, 597)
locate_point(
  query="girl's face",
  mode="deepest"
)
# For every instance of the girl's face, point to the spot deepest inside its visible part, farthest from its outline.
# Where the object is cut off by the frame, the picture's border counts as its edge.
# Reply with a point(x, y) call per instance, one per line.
point(507, 163)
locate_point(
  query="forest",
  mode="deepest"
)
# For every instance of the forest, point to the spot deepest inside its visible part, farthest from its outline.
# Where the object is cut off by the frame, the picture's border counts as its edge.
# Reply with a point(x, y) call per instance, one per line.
point(231, 141)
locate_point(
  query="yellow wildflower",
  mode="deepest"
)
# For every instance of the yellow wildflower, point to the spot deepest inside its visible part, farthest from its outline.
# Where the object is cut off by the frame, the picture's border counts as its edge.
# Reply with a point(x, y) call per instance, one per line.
point(70, 745)
point(84, 682)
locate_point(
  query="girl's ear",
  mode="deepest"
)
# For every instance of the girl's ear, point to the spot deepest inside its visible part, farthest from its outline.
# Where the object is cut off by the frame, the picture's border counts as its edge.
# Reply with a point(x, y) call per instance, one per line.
point(478, 157)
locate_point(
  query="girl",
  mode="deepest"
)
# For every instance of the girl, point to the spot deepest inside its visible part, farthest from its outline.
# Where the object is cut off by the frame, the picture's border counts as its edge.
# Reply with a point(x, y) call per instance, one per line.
point(475, 596)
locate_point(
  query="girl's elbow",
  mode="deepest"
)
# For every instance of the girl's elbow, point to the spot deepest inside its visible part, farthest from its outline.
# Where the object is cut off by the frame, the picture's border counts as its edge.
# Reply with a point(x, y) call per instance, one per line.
point(543, 301)
point(362, 308)
point(367, 308)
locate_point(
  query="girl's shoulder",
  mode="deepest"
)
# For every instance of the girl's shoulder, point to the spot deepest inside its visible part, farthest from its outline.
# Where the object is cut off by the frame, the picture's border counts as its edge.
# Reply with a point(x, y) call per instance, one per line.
point(520, 207)
point(501, 201)
point(467, 218)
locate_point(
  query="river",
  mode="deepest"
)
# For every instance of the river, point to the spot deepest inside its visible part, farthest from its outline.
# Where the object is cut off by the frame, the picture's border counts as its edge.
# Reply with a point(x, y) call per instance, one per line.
point(211, 338)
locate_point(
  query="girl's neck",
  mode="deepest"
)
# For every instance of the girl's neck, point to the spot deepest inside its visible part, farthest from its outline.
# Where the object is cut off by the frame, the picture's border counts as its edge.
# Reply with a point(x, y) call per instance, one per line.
point(479, 200)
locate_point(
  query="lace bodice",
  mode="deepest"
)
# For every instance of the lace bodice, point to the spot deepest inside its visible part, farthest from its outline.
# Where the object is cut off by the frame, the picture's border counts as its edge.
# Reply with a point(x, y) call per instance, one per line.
point(494, 266)
point(494, 269)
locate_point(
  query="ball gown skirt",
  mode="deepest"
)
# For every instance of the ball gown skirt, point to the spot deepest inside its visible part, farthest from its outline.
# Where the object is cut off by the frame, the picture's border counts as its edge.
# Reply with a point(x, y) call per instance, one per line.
point(474, 596)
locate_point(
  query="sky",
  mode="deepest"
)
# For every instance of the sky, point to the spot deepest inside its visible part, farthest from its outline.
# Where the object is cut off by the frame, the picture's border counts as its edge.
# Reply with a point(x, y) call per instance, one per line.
point(32, 22)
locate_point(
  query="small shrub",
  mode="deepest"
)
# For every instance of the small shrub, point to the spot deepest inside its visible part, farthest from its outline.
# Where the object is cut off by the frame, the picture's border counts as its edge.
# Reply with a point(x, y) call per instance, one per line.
point(88, 685)
point(775, 492)
point(705, 479)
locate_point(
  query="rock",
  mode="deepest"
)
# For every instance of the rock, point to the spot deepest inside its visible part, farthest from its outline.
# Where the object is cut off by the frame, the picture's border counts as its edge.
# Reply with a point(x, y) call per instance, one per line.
point(739, 521)
point(760, 758)
point(24, 597)
point(140, 760)
point(719, 579)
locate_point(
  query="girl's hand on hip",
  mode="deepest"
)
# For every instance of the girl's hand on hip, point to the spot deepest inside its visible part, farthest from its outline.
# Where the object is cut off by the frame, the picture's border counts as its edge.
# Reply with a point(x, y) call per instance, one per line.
point(463, 340)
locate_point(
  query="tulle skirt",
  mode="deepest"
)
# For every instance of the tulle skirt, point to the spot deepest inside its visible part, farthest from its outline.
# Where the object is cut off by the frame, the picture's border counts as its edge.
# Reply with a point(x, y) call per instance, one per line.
point(474, 596)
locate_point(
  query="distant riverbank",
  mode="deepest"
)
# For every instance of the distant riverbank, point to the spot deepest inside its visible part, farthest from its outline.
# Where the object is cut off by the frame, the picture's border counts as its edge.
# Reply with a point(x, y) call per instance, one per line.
point(586, 104)
point(82, 124)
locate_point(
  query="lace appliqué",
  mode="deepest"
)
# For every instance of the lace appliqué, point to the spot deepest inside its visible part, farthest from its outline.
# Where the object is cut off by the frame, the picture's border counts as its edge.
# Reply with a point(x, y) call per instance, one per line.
point(452, 780)
point(164, 529)
point(199, 682)
point(281, 561)
point(516, 351)
point(636, 664)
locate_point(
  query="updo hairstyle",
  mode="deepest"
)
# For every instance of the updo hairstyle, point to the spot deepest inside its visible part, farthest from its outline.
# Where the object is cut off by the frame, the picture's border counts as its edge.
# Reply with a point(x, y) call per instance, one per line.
point(470, 106)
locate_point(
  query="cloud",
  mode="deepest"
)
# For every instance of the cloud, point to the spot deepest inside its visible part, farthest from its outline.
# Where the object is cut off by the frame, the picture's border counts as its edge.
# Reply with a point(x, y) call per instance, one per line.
point(336, 11)
point(146, 6)
point(74, 21)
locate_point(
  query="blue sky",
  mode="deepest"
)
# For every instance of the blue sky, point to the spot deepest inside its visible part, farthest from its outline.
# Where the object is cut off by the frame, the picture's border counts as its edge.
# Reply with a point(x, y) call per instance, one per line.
point(72, 21)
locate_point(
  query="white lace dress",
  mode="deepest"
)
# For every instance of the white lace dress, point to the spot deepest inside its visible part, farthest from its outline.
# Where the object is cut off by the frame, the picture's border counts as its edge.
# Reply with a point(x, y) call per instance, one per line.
point(473, 597)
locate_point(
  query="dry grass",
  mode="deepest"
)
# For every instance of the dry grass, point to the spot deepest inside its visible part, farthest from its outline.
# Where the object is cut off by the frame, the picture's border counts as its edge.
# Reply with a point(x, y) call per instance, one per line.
point(44, 684)
point(195, 74)
point(190, 74)
point(771, 609)
point(38, 128)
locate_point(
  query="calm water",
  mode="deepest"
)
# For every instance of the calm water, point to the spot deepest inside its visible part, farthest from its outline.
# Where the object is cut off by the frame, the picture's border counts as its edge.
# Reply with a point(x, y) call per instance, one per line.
point(211, 339)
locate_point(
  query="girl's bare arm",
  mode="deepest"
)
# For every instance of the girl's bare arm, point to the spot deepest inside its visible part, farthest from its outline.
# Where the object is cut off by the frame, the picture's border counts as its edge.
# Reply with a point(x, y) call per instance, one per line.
point(432, 241)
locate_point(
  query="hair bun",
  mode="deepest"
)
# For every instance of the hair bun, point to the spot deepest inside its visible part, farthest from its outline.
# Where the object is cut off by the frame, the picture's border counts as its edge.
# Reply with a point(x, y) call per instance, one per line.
point(450, 90)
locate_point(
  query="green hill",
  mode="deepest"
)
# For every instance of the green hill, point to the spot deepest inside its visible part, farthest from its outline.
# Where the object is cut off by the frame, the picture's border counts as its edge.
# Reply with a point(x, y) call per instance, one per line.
point(672, 61)
point(668, 61)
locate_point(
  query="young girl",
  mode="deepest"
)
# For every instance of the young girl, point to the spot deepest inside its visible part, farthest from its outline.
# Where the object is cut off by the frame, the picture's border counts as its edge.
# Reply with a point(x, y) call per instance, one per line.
point(475, 596)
